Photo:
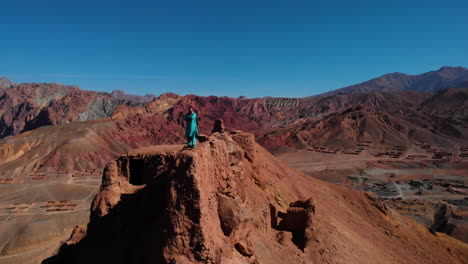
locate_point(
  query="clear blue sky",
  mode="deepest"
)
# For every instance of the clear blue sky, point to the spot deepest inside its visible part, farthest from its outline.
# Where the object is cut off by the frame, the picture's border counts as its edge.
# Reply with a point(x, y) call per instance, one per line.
point(254, 48)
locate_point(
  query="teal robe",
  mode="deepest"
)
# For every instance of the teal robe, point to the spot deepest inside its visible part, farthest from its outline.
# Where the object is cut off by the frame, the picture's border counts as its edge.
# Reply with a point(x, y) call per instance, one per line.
point(191, 129)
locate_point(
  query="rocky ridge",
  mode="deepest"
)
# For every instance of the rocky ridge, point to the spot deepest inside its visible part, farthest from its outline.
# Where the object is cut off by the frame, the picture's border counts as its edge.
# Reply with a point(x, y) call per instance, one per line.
point(432, 81)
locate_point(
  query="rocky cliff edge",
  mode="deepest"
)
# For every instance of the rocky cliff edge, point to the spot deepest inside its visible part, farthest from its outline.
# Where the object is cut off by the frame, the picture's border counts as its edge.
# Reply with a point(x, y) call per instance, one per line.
point(230, 201)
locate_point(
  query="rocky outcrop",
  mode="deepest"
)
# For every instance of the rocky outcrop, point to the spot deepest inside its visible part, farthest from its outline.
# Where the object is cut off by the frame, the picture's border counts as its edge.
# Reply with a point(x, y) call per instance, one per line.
point(442, 216)
point(218, 126)
point(5, 83)
point(450, 221)
point(104, 107)
point(282, 102)
point(230, 201)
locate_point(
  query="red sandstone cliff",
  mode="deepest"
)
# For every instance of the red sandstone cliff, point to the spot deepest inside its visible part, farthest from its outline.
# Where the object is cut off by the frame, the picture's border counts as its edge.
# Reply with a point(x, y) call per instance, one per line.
point(230, 201)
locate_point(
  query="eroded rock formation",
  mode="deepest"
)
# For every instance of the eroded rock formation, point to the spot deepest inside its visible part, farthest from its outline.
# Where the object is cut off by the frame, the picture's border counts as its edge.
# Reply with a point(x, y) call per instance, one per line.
point(230, 201)
point(218, 126)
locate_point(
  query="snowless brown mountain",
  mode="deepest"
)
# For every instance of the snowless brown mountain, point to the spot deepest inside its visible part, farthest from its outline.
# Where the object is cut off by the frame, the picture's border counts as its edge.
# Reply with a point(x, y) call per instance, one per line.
point(231, 201)
point(27, 106)
point(54, 127)
point(432, 81)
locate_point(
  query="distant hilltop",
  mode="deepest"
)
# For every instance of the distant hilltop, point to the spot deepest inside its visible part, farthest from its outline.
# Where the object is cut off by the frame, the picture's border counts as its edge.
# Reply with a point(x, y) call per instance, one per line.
point(5, 83)
point(432, 81)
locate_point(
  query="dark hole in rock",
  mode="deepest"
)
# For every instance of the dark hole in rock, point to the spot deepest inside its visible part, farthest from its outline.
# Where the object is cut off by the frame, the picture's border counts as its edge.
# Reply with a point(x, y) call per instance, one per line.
point(136, 171)
point(145, 171)
point(243, 249)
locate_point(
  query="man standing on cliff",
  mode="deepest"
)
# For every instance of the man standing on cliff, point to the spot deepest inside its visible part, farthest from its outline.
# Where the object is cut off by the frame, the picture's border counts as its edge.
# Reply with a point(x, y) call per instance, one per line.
point(191, 130)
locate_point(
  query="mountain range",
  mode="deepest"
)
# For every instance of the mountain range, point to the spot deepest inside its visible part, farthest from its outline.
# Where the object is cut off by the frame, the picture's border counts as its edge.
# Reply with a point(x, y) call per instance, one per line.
point(432, 81)
point(49, 126)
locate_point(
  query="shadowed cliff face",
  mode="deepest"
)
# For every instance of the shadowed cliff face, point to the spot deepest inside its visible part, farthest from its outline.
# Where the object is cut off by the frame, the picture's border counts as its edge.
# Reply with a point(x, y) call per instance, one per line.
point(230, 201)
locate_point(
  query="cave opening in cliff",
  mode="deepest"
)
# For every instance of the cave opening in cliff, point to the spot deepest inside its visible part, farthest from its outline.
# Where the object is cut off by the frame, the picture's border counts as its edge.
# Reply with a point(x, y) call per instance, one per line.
point(136, 171)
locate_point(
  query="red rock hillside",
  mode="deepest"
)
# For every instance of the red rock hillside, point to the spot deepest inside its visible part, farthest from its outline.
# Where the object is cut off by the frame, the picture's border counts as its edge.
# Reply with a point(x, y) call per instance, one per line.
point(385, 119)
point(27, 106)
point(230, 201)
point(51, 127)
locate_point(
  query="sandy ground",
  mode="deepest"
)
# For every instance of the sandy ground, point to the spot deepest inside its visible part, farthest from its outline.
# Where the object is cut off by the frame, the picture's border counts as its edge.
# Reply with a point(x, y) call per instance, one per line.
point(36, 216)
